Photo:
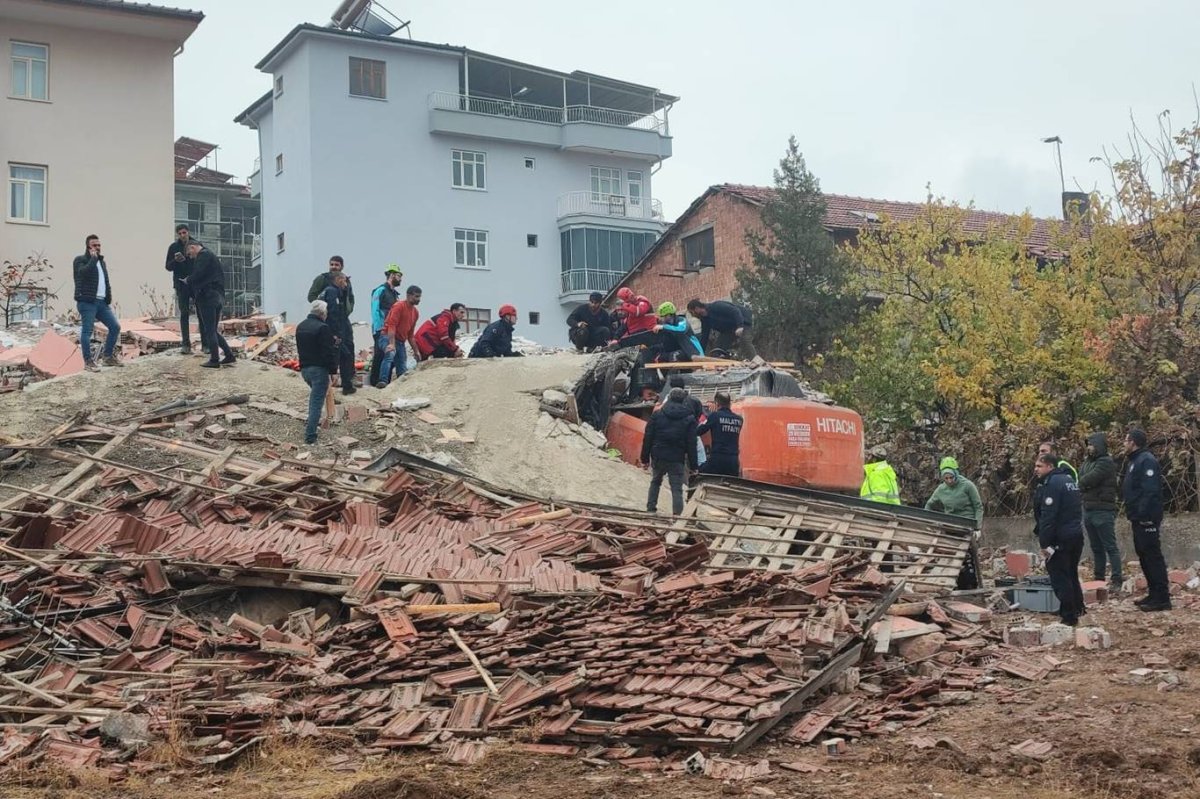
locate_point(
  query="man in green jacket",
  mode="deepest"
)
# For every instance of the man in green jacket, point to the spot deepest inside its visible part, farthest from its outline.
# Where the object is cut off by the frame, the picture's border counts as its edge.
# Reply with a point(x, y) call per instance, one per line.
point(957, 495)
point(1098, 482)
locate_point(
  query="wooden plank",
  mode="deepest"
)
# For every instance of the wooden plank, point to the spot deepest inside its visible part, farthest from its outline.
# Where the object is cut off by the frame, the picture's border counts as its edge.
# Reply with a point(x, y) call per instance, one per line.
point(72, 478)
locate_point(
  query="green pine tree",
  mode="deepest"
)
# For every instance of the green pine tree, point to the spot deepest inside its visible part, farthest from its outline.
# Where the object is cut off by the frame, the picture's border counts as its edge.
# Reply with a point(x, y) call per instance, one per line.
point(798, 285)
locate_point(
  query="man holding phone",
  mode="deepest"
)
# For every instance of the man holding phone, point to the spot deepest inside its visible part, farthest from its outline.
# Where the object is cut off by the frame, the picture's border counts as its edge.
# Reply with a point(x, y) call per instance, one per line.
point(180, 266)
point(93, 300)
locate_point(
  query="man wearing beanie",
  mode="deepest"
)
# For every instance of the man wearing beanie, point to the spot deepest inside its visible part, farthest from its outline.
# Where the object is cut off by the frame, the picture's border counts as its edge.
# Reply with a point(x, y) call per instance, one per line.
point(1142, 492)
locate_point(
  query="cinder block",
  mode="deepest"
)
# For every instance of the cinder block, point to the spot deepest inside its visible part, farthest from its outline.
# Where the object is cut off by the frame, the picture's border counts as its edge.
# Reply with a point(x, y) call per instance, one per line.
point(1095, 591)
point(1019, 564)
point(1023, 635)
point(356, 413)
point(1092, 638)
point(1055, 634)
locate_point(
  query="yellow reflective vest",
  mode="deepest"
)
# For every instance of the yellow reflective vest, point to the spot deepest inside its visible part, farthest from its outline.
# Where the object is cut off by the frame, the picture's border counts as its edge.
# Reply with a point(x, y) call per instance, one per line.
point(881, 484)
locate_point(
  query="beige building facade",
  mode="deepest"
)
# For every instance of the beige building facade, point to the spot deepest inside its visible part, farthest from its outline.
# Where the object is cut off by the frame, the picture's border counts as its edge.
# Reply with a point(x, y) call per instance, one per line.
point(86, 138)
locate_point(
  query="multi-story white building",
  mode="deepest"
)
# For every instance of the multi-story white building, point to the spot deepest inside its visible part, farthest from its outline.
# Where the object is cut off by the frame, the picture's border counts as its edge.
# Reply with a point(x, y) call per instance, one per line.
point(86, 130)
point(488, 180)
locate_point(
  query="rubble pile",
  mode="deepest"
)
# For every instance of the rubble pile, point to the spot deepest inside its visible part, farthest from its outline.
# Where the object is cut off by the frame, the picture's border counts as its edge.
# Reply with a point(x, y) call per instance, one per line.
point(441, 612)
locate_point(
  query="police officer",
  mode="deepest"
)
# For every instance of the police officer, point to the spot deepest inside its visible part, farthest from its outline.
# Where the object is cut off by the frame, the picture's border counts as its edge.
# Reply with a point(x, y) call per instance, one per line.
point(726, 429)
point(1058, 511)
point(1142, 492)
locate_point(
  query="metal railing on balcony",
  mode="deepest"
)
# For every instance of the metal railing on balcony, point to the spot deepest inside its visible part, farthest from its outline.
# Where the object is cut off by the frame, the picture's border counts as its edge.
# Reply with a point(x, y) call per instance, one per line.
point(618, 205)
point(548, 114)
point(580, 280)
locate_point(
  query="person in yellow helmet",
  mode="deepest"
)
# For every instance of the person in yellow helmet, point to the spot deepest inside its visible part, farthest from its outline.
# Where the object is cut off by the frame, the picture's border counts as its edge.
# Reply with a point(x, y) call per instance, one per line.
point(676, 341)
point(880, 483)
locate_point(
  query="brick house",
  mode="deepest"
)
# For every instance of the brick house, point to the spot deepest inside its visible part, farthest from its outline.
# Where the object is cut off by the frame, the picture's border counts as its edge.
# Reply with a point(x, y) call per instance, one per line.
point(699, 255)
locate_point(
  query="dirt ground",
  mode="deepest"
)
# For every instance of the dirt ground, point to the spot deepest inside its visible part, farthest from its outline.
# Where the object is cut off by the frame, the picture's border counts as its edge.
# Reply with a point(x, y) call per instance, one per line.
point(1111, 737)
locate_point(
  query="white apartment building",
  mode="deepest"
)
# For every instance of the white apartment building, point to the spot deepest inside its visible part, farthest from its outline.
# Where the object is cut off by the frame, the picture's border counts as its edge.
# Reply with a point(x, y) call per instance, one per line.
point(86, 137)
point(489, 181)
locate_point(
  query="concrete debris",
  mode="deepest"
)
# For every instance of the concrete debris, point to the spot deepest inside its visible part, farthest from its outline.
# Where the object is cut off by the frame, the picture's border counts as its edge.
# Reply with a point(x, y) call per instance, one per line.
point(410, 403)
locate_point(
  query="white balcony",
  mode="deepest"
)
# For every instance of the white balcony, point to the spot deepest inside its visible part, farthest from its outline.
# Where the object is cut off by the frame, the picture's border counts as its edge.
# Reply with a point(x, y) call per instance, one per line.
point(618, 206)
point(578, 283)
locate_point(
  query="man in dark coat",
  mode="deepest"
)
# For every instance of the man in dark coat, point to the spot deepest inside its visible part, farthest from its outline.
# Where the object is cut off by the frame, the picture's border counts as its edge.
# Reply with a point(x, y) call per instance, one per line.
point(336, 297)
point(591, 325)
point(93, 300)
point(669, 448)
point(726, 429)
point(207, 287)
point(180, 266)
point(318, 360)
point(1142, 491)
point(1098, 486)
point(337, 265)
point(732, 323)
point(1058, 512)
point(496, 339)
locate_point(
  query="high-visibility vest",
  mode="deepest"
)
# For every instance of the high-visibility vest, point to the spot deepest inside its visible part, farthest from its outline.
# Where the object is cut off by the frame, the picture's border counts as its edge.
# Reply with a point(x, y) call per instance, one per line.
point(881, 484)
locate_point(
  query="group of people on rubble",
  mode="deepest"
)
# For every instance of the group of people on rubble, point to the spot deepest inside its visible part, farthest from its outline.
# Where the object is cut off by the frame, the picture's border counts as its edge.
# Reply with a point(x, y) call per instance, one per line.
point(1067, 506)
point(634, 321)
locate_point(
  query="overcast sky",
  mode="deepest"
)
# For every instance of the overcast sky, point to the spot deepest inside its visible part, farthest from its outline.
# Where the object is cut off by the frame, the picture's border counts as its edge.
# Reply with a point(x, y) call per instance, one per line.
point(883, 97)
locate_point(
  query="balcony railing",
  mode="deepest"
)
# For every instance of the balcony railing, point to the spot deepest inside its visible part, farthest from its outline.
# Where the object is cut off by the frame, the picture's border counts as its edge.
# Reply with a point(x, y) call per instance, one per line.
point(617, 205)
point(581, 280)
point(548, 114)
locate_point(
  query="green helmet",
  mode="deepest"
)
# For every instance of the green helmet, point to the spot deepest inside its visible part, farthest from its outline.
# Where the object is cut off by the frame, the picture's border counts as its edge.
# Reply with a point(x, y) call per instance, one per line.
point(948, 463)
point(666, 309)
point(392, 268)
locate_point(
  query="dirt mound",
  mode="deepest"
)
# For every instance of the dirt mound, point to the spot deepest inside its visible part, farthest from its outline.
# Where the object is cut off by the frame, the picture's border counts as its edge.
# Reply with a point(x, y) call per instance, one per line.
point(404, 787)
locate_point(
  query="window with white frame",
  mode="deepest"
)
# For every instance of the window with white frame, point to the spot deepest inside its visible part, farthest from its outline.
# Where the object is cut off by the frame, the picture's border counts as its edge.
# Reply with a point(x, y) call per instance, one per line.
point(633, 180)
point(280, 242)
point(278, 85)
point(30, 71)
point(477, 319)
point(368, 78)
point(27, 193)
point(468, 169)
point(27, 305)
point(470, 248)
point(530, 163)
point(606, 182)
point(279, 163)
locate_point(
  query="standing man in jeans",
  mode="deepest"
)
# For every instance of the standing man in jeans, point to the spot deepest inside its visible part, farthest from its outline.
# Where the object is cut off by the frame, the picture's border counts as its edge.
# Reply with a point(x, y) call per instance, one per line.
point(336, 297)
point(1142, 491)
point(1098, 486)
point(397, 335)
point(179, 264)
point(93, 298)
point(207, 284)
point(669, 447)
point(385, 295)
point(318, 360)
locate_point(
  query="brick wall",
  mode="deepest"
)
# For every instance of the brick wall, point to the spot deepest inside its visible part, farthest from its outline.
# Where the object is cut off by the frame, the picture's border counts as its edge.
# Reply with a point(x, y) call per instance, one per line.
point(662, 278)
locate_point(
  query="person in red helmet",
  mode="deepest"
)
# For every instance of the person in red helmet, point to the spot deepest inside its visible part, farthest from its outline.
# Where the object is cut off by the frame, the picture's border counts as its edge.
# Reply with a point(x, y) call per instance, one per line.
point(639, 317)
point(496, 339)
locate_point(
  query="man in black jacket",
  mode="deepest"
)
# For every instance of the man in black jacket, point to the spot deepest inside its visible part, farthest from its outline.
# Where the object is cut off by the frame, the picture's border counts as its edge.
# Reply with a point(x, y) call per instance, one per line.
point(1142, 492)
point(337, 299)
point(93, 298)
point(732, 323)
point(726, 429)
point(669, 443)
point(318, 360)
point(496, 339)
point(337, 265)
point(1058, 512)
point(180, 265)
point(207, 284)
point(1098, 487)
point(591, 325)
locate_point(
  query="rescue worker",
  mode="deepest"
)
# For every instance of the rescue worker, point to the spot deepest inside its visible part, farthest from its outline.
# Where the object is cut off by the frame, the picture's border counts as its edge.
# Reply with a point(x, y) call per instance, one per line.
point(590, 324)
point(397, 335)
point(1058, 516)
point(676, 381)
point(1047, 448)
point(385, 295)
point(669, 449)
point(1142, 490)
point(732, 323)
point(435, 338)
point(638, 316)
point(496, 339)
point(880, 483)
point(957, 495)
point(725, 426)
point(675, 335)
point(1098, 488)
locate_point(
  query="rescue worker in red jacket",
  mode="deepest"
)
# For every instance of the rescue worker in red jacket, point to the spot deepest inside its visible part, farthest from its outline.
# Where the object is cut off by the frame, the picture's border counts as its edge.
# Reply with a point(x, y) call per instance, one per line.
point(639, 313)
point(435, 338)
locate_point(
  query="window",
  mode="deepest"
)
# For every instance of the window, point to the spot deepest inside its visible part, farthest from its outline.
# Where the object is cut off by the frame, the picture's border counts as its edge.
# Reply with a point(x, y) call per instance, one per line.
point(535, 317)
point(603, 249)
point(27, 193)
point(278, 85)
point(368, 78)
point(530, 239)
point(606, 181)
point(634, 180)
point(477, 319)
point(470, 248)
point(30, 71)
point(195, 210)
point(280, 241)
point(467, 169)
point(530, 163)
point(279, 163)
point(27, 305)
point(699, 251)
